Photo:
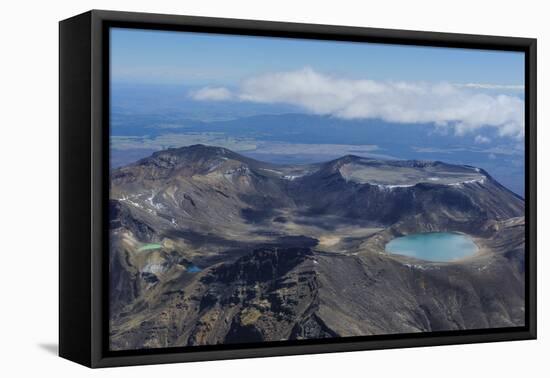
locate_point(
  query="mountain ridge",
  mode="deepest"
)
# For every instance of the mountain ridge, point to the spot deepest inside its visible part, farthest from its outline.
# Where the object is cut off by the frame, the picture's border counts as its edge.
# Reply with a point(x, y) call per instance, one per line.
point(210, 247)
point(199, 153)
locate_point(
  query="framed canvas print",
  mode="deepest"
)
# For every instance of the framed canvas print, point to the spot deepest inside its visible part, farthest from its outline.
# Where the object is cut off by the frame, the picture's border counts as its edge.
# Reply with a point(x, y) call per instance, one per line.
point(234, 188)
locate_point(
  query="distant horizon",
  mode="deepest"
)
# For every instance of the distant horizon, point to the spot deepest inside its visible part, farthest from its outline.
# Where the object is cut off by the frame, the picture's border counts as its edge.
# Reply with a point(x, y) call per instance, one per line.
point(313, 100)
point(318, 162)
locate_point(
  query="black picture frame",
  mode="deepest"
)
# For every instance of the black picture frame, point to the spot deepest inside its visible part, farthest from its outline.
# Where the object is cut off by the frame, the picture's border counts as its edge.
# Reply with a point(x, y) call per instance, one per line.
point(83, 181)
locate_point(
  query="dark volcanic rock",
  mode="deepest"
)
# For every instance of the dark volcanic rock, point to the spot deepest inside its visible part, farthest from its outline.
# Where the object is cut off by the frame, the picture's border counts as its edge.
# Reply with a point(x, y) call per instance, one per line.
point(312, 328)
point(262, 265)
point(121, 216)
point(328, 192)
point(297, 252)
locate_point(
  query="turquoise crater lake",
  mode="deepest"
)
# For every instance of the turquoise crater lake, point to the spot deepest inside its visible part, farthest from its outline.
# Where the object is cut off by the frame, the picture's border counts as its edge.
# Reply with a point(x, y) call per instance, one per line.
point(433, 246)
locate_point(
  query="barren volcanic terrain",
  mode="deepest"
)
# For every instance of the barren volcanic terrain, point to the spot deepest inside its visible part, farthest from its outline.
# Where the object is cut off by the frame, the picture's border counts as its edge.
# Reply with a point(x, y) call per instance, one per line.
point(210, 247)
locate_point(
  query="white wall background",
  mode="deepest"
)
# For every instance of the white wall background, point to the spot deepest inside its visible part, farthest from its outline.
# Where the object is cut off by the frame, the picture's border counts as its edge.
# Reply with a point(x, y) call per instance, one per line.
point(29, 188)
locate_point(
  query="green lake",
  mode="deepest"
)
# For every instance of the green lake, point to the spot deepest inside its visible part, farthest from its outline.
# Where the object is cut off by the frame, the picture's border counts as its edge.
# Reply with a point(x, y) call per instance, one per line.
point(149, 247)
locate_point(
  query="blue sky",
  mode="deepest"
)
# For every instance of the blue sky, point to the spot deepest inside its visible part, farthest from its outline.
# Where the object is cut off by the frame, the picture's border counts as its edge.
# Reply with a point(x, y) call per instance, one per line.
point(474, 97)
point(161, 57)
point(460, 89)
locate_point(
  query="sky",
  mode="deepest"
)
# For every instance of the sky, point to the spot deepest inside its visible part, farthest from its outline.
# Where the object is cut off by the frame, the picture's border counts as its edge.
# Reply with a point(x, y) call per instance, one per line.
point(165, 79)
point(463, 89)
point(144, 56)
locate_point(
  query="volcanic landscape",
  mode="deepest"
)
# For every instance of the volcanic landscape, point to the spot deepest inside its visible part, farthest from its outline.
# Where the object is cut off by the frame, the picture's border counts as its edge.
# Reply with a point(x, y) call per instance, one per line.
point(210, 247)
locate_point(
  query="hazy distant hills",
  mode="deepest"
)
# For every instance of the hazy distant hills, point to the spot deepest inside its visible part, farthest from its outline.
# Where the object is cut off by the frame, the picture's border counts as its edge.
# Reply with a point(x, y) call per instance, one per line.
point(265, 137)
point(305, 128)
point(297, 251)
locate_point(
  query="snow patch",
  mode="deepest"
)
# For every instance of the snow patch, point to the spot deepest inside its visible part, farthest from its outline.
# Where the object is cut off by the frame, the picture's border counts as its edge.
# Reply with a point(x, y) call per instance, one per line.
point(473, 181)
point(415, 266)
point(391, 187)
point(150, 201)
point(153, 268)
point(128, 200)
point(270, 170)
point(239, 170)
point(291, 177)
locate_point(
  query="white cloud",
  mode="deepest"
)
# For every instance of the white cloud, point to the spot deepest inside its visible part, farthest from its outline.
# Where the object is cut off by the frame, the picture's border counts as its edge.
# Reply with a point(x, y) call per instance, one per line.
point(447, 105)
point(212, 94)
point(492, 86)
point(481, 139)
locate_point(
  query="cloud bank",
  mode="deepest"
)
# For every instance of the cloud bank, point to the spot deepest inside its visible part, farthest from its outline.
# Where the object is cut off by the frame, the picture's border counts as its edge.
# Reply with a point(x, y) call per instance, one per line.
point(492, 86)
point(480, 139)
point(212, 94)
point(459, 107)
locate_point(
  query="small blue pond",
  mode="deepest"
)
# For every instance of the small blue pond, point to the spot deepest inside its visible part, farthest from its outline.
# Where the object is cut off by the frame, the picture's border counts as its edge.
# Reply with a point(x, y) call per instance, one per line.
point(193, 269)
point(433, 246)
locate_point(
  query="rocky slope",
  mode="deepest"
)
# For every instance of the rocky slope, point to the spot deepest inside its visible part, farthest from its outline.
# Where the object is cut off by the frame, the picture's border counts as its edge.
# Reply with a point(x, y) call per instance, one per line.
point(208, 246)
